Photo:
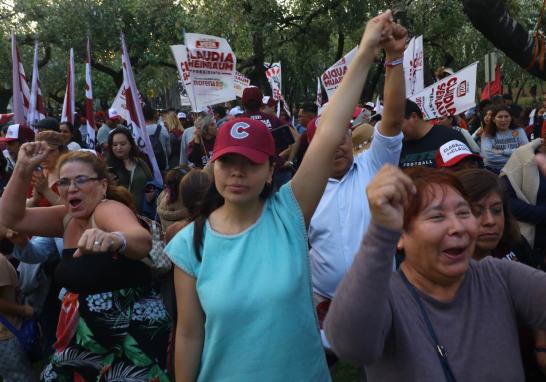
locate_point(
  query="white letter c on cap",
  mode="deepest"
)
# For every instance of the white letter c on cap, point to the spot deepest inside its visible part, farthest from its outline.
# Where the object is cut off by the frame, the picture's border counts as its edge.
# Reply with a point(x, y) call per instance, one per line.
point(236, 130)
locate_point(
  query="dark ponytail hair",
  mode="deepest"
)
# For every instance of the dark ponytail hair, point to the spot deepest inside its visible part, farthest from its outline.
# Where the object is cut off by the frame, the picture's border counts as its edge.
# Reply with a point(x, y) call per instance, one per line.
point(212, 201)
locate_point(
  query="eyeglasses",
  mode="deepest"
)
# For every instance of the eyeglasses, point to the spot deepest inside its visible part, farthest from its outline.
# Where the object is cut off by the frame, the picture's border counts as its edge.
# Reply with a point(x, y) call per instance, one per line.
point(79, 181)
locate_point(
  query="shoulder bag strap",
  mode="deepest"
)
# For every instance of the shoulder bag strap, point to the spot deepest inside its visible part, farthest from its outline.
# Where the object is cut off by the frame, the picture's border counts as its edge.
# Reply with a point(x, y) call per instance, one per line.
point(440, 350)
point(4, 321)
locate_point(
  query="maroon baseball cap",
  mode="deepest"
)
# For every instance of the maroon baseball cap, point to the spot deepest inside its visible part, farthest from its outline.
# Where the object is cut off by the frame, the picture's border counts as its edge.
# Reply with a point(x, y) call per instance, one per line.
point(252, 95)
point(247, 137)
point(19, 133)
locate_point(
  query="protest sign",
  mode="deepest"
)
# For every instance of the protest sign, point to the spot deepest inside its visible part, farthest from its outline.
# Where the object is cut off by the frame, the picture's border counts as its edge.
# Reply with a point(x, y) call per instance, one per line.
point(332, 77)
point(450, 96)
point(413, 66)
point(211, 64)
point(181, 59)
point(240, 84)
point(274, 76)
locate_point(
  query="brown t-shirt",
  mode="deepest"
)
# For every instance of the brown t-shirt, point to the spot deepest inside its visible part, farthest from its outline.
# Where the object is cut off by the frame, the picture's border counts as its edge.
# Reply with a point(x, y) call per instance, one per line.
point(8, 292)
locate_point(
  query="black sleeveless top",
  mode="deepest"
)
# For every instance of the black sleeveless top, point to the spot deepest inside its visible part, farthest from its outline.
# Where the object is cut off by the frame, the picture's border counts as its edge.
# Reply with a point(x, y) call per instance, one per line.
point(98, 273)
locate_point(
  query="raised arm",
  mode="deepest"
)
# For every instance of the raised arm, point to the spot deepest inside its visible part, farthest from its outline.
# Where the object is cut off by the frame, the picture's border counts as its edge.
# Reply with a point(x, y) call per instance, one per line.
point(310, 180)
point(394, 91)
point(36, 221)
point(362, 296)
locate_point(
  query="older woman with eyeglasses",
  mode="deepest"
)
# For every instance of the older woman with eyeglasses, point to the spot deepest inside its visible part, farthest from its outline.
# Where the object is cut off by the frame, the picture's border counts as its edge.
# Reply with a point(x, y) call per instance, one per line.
point(112, 321)
point(443, 316)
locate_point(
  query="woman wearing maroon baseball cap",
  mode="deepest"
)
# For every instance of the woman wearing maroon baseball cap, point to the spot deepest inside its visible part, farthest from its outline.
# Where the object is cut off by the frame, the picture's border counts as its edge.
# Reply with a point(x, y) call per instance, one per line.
point(242, 277)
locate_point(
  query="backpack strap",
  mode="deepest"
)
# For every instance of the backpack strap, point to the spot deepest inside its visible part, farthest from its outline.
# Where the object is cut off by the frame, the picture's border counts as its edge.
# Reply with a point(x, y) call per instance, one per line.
point(157, 131)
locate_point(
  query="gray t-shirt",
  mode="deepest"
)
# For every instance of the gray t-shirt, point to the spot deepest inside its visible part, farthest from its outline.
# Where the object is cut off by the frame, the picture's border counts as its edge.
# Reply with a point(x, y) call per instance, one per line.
point(375, 321)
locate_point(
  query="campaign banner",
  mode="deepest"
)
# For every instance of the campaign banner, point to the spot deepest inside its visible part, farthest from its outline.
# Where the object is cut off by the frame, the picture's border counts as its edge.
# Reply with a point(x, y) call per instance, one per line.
point(211, 65)
point(273, 74)
point(450, 96)
point(181, 59)
point(240, 84)
point(414, 66)
point(332, 77)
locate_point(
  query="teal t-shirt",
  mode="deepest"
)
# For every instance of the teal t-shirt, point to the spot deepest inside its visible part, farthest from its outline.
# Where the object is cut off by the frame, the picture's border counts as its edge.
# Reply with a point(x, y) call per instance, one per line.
point(255, 290)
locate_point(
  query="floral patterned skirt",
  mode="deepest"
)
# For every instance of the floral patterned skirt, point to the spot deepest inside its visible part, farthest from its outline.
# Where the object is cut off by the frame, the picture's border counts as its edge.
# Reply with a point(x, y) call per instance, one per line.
point(121, 335)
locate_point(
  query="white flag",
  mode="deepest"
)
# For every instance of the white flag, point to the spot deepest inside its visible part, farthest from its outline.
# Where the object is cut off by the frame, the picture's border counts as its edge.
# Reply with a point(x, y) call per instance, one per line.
point(212, 69)
point(69, 103)
point(21, 92)
point(378, 109)
point(36, 110)
point(132, 112)
point(319, 93)
point(450, 96)
point(273, 74)
point(89, 112)
point(414, 66)
point(332, 77)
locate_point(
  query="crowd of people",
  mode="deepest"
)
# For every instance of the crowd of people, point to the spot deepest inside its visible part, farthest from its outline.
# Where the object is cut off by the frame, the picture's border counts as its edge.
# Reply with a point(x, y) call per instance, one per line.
point(272, 249)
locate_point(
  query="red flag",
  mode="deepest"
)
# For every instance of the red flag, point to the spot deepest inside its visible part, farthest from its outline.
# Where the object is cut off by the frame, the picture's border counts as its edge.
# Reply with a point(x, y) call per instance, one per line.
point(69, 102)
point(21, 92)
point(89, 112)
point(36, 110)
point(494, 87)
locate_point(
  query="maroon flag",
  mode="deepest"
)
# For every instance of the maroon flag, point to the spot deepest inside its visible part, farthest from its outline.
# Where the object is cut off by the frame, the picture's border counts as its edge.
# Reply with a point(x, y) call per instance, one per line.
point(494, 87)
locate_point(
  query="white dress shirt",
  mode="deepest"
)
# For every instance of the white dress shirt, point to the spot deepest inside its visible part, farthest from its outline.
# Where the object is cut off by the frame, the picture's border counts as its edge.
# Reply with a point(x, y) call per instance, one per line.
point(343, 214)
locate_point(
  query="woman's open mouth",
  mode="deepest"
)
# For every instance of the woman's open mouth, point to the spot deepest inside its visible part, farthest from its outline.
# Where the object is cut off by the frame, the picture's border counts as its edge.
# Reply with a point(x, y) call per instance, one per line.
point(454, 252)
point(75, 203)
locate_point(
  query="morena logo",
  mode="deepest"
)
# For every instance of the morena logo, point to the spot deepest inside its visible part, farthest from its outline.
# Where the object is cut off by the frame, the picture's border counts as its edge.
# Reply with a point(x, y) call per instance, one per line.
point(207, 44)
point(238, 130)
point(462, 89)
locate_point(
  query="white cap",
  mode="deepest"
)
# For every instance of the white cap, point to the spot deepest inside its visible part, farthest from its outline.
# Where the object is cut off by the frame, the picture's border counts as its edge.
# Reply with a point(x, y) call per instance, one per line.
point(113, 113)
point(370, 104)
point(181, 115)
point(89, 151)
point(13, 132)
point(236, 111)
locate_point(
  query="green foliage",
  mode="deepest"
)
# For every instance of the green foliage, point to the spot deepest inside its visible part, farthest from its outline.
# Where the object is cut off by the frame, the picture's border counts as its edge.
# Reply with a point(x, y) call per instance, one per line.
point(307, 36)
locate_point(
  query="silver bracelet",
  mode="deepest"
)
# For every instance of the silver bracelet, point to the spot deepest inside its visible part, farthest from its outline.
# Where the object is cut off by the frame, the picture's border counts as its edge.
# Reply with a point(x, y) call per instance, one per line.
point(121, 236)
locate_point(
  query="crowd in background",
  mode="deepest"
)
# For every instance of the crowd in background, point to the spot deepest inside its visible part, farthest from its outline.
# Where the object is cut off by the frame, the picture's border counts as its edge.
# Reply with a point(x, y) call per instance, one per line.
point(274, 245)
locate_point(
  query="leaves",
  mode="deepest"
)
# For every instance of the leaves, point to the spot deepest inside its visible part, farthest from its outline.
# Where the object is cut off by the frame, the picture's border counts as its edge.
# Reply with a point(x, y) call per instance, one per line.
point(306, 35)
